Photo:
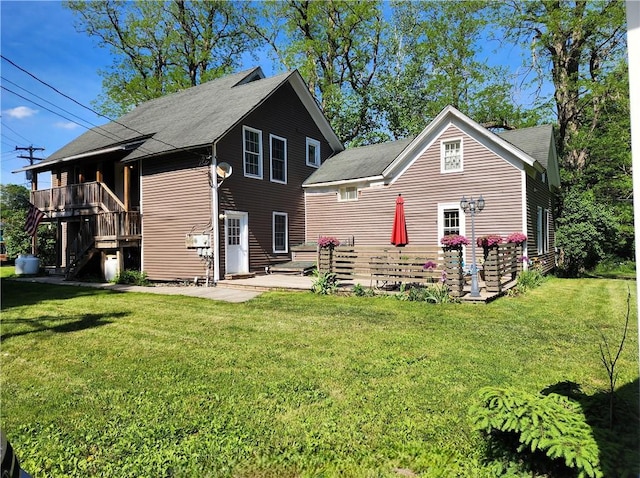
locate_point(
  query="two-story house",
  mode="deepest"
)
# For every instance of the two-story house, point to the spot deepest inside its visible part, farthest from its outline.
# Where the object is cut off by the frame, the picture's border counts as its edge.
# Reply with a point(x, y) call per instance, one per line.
point(153, 188)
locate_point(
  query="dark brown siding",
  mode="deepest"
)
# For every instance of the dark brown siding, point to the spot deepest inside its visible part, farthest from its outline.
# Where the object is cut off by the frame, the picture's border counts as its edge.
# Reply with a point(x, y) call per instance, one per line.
point(177, 195)
point(176, 200)
point(538, 195)
point(282, 115)
point(423, 187)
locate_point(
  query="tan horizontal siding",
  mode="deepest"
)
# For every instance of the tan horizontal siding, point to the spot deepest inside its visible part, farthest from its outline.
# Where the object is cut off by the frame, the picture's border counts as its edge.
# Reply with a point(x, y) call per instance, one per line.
point(176, 199)
point(423, 187)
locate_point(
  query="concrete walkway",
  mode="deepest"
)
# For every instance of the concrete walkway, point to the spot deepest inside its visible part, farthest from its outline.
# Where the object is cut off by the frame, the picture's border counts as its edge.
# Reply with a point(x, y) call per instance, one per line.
point(238, 290)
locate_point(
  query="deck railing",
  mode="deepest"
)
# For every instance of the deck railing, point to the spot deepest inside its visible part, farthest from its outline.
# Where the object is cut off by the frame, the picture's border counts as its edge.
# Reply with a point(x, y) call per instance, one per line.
point(419, 265)
point(77, 196)
point(118, 225)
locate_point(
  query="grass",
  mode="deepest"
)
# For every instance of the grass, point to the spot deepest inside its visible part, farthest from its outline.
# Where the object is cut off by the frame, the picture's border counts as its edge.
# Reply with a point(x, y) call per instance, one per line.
point(98, 383)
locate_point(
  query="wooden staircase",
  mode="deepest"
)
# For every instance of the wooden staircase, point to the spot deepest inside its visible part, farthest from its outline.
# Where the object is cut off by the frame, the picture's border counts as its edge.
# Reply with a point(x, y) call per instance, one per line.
point(82, 249)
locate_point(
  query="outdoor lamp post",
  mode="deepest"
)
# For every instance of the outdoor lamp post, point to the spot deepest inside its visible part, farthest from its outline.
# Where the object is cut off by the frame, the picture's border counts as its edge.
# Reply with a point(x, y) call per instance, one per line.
point(473, 207)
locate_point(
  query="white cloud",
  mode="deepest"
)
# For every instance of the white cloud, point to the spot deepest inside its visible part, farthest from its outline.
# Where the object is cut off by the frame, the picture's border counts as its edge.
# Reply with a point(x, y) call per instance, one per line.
point(20, 112)
point(66, 125)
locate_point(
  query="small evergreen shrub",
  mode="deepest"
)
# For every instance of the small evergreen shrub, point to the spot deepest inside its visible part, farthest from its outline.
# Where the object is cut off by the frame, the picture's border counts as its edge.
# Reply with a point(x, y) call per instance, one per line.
point(552, 424)
point(131, 277)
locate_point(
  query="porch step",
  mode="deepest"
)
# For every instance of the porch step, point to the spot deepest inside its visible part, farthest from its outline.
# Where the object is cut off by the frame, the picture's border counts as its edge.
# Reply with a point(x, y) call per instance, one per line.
point(239, 276)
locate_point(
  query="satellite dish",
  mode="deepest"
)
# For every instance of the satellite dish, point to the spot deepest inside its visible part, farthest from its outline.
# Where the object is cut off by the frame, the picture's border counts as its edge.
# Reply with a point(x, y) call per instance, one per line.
point(224, 170)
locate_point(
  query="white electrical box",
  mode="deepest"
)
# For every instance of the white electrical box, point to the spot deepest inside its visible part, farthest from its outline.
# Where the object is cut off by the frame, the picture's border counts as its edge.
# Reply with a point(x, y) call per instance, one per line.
point(196, 240)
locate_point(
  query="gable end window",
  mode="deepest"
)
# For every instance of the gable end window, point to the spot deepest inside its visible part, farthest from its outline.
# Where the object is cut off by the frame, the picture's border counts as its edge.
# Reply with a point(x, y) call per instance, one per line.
point(451, 156)
point(278, 159)
point(252, 152)
point(349, 193)
point(313, 153)
point(280, 233)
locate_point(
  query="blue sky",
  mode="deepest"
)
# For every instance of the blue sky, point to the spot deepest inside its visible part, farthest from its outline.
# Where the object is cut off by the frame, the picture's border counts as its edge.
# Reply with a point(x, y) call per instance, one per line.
point(40, 37)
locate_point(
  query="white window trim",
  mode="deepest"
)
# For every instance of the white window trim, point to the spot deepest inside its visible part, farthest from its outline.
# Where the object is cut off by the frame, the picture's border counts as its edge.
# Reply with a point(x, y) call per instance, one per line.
point(316, 161)
point(344, 189)
point(244, 152)
point(286, 232)
point(542, 233)
point(443, 170)
point(284, 140)
point(442, 207)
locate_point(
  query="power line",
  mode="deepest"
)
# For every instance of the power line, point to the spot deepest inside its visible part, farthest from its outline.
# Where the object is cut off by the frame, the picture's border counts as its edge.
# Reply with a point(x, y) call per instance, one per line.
point(87, 108)
point(15, 132)
point(112, 137)
point(49, 102)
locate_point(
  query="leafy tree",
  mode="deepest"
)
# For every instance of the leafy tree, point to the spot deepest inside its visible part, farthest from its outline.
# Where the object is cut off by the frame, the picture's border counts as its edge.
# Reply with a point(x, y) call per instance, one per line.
point(336, 46)
point(14, 205)
point(434, 58)
point(585, 232)
point(575, 44)
point(162, 47)
point(14, 200)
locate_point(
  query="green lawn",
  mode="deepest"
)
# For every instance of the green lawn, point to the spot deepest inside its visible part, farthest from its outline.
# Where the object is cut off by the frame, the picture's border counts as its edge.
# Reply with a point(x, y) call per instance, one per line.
point(98, 383)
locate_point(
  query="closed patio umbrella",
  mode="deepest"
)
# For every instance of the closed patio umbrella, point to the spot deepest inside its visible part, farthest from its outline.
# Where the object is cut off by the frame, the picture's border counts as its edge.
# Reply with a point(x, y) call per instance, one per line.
point(399, 232)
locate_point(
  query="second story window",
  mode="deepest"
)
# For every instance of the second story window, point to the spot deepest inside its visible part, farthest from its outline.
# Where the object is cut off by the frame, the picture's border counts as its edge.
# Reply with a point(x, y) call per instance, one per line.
point(313, 153)
point(278, 159)
point(451, 156)
point(252, 146)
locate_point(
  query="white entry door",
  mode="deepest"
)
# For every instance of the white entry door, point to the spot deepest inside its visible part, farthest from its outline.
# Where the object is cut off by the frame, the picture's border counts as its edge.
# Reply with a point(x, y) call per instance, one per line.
point(236, 232)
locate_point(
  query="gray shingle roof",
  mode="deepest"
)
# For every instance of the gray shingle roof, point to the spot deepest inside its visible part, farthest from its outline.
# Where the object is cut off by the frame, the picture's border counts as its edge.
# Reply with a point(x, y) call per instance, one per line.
point(360, 162)
point(370, 161)
point(534, 141)
point(193, 117)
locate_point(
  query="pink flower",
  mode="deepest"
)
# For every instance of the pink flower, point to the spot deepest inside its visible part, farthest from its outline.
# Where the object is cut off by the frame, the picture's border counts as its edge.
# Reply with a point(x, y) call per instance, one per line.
point(430, 265)
point(452, 240)
point(488, 241)
point(517, 237)
point(325, 241)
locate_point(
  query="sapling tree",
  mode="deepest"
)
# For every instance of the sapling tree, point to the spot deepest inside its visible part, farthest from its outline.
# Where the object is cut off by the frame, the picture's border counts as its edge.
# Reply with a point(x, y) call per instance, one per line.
point(610, 361)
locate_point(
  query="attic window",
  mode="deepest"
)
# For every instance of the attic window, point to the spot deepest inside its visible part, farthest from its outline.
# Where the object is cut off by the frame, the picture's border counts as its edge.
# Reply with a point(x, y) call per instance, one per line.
point(349, 193)
point(451, 156)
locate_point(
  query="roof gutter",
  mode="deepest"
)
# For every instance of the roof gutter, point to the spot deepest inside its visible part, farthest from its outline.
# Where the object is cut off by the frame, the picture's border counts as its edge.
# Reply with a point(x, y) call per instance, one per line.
point(97, 152)
point(344, 181)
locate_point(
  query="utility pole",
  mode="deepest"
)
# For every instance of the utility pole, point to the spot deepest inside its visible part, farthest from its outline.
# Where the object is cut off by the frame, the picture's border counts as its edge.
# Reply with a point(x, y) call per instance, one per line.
point(34, 184)
point(31, 159)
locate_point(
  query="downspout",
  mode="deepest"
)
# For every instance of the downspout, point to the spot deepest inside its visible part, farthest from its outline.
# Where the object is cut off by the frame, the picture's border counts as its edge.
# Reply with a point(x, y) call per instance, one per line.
point(215, 221)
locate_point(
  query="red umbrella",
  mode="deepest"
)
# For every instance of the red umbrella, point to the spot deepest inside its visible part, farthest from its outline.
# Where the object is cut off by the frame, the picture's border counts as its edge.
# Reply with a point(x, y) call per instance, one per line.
point(399, 233)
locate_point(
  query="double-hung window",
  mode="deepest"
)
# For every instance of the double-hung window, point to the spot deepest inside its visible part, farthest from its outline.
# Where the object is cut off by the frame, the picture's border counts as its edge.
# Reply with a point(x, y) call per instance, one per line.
point(278, 159)
point(280, 232)
point(313, 152)
point(451, 156)
point(252, 147)
point(451, 220)
point(542, 236)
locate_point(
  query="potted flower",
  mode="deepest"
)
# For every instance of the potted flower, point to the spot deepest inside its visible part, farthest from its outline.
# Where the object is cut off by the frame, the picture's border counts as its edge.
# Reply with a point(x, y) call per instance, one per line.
point(454, 241)
point(489, 241)
point(327, 242)
point(517, 238)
